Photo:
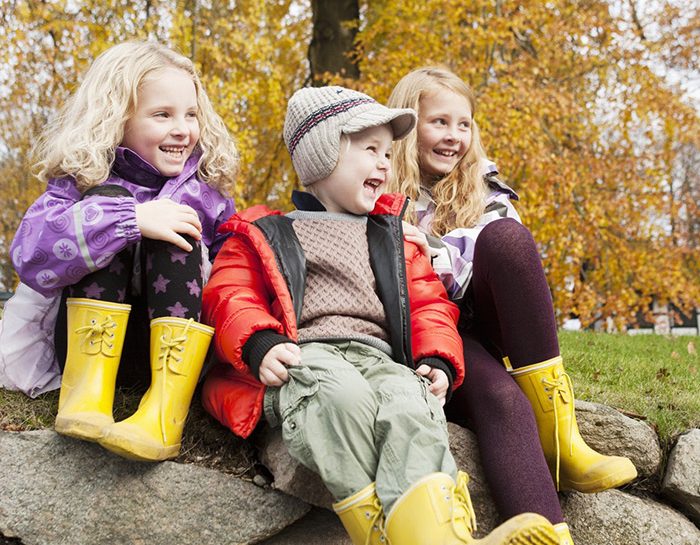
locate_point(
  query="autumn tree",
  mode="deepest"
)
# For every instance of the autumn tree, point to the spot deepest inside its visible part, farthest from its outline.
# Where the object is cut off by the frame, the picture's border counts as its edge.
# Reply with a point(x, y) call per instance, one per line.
point(576, 101)
point(331, 51)
point(582, 123)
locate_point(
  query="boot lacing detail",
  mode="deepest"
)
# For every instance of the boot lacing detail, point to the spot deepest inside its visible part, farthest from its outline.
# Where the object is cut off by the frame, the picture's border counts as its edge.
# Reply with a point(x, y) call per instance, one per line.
point(99, 333)
point(462, 501)
point(168, 346)
point(561, 388)
point(376, 520)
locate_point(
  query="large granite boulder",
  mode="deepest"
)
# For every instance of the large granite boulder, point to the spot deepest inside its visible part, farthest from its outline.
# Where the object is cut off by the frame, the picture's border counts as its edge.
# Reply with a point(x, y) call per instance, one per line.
point(610, 432)
point(58, 490)
point(607, 518)
point(617, 518)
point(681, 484)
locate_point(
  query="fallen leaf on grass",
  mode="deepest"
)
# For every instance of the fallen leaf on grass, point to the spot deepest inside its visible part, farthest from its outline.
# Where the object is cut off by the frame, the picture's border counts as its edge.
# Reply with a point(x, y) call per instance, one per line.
point(662, 374)
point(691, 348)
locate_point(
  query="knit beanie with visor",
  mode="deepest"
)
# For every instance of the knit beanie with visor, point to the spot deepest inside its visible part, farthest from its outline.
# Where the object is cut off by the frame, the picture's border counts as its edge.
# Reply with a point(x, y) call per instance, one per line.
point(318, 116)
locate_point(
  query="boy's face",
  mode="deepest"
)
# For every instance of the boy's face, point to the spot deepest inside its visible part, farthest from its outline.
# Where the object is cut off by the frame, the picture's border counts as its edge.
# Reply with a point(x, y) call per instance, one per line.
point(359, 178)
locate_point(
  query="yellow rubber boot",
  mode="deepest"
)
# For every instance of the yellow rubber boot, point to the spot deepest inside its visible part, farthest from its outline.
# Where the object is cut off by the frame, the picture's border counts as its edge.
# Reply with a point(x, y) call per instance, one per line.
point(154, 431)
point(574, 465)
point(362, 516)
point(562, 530)
point(436, 511)
point(96, 332)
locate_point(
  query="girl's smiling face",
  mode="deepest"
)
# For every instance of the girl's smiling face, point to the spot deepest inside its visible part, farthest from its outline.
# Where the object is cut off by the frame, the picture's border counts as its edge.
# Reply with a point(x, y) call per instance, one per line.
point(164, 128)
point(444, 132)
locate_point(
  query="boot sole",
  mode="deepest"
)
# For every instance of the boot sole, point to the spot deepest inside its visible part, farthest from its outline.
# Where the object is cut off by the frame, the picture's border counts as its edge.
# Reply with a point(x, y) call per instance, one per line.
point(85, 426)
point(133, 449)
point(524, 529)
point(539, 535)
point(608, 482)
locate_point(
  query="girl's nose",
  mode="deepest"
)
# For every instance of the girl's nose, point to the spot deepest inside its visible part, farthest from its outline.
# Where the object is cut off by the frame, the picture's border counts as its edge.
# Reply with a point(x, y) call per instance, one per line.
point(451, 134)
point(179, 127)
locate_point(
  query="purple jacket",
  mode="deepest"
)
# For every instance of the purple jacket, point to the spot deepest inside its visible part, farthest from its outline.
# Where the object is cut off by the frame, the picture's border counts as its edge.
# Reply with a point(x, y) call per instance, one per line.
point(61, 239)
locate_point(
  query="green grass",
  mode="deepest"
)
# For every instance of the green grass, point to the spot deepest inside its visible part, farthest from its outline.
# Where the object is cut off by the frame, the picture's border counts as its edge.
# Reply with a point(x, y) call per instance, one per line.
point(653, 376)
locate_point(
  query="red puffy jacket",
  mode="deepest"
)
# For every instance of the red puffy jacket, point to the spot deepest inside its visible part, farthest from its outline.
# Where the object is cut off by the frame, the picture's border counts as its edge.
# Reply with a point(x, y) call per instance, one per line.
point(247, 292)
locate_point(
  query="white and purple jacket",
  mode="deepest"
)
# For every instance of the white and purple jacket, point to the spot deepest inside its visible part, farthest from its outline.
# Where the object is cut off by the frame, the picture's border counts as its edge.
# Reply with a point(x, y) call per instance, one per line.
point(452, 255)
point(62, 238)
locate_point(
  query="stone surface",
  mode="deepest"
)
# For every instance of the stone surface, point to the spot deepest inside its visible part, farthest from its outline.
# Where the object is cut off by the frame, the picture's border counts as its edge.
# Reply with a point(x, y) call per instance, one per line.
point(319, 527)
point(59, 490)
point(681, 483)
point(618, 518)
point(610, 432)
point(606, 518)
point(290, 476)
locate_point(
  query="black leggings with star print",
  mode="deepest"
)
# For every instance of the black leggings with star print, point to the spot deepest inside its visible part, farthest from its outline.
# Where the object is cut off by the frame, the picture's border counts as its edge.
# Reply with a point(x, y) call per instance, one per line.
point(156, 278)
point(170, 278)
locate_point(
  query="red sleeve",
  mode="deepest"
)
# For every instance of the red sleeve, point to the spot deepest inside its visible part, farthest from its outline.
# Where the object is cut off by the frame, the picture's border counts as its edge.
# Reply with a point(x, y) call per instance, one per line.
point(237, 299)
point(433, 316)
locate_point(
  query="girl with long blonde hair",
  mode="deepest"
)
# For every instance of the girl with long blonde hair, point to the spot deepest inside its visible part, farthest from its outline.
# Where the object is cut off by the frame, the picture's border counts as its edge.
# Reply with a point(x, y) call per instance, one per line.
point(138, 169)
point(516, 388)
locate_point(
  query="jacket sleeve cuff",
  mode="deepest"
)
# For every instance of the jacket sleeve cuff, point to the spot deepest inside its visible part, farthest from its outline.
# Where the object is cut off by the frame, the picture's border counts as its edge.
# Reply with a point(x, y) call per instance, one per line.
point(259, 344)
point(439, 363)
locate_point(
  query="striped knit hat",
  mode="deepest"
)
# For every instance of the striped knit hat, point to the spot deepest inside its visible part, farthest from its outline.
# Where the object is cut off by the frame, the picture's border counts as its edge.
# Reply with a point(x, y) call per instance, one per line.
point(316, 118)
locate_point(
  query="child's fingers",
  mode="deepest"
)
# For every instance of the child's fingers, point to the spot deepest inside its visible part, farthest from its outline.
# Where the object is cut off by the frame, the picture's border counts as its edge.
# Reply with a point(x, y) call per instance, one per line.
point(268, 378)
point(287, 357)
point(275, 374)
point(424, 370)
point(180, 242)
point(294, 348)
point(185, 228)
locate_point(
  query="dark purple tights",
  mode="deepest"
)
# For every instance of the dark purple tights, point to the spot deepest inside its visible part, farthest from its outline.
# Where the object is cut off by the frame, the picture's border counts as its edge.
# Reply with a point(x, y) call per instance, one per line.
point(512, 316)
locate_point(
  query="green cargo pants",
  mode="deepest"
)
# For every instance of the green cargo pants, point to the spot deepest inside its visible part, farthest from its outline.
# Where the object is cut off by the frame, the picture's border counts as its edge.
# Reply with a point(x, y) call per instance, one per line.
point(354, 416)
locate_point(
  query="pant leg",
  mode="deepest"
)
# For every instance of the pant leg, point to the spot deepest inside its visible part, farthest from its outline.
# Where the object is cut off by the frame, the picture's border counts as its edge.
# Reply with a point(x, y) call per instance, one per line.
point(410, 428)
point(513, 311)
point(173, 279)
point(327, 411)
point(492, 405)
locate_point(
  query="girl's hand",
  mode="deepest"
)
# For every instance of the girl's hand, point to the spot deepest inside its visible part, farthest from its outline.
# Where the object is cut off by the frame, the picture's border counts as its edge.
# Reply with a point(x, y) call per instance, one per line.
point(411, 233)
point(164, 219)
point(439, 380)
point(273, 368)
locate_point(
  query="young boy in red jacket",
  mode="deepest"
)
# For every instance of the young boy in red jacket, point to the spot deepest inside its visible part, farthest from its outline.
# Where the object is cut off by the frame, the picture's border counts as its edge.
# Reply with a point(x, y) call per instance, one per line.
point(330, 325)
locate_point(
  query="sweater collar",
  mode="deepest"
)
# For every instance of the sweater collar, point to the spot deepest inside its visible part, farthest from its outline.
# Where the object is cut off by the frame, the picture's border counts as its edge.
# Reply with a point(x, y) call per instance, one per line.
point(130, 166)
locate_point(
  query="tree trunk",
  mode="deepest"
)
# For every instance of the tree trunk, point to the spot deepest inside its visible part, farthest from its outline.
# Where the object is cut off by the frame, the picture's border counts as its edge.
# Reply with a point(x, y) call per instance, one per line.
point(334, 30)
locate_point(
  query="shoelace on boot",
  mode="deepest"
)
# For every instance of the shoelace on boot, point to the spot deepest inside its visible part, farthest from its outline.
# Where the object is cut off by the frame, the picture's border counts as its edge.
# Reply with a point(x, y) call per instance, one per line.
point(462, 507)
point(99, 333)
point(561, 388)
point(377, 520)
point(169, 345)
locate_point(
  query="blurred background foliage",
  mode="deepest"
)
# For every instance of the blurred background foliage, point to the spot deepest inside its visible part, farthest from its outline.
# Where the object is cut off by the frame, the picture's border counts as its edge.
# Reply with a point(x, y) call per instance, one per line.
point(589, 108)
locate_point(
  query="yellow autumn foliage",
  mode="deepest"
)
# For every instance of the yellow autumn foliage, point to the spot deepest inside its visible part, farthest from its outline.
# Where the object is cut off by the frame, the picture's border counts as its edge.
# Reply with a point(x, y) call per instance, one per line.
point(573, 104)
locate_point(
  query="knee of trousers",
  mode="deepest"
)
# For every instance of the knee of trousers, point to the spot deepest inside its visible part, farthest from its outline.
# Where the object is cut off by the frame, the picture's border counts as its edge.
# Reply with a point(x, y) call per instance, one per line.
point(331, 394)
point(503, 241)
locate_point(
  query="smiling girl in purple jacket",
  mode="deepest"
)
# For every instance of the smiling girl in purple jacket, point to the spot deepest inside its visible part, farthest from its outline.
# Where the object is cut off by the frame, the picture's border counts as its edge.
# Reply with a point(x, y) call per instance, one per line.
point(137, 165)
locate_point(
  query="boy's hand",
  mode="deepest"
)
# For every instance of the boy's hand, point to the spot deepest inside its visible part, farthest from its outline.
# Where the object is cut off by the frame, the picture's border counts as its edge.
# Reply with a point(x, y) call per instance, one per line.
point(411, 233)
point(273, 368)
point(164, 219)
point(439, 380)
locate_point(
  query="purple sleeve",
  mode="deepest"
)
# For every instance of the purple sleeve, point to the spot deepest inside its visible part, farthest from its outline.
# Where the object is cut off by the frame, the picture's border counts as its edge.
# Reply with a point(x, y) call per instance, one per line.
point(61, 238)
